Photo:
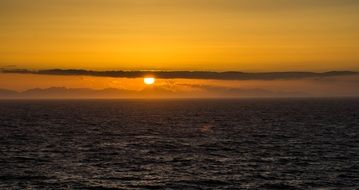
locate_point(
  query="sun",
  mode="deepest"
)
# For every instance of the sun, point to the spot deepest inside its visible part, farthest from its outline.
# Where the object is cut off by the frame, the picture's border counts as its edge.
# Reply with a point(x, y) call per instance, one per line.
point(149, 80)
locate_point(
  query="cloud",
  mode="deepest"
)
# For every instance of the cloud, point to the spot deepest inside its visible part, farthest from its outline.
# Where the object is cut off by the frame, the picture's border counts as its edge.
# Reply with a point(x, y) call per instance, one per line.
point(187, 74)
point(158, 92)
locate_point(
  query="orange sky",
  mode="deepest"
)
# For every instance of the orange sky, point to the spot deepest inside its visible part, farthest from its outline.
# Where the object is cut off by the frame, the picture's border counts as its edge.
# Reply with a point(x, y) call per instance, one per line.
point(188, 35)
point(217, 35)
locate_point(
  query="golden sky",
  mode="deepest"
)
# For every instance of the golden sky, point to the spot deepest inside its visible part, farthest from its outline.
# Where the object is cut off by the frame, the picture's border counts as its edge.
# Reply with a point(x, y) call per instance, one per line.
point(216, 35)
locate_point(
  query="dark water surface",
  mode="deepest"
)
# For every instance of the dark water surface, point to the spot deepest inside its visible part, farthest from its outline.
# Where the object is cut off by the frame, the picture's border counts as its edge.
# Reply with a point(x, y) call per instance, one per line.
point(180, 144)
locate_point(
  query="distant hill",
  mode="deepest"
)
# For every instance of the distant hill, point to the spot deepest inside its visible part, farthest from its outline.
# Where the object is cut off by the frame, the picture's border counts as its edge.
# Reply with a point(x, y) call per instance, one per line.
point(150, 92)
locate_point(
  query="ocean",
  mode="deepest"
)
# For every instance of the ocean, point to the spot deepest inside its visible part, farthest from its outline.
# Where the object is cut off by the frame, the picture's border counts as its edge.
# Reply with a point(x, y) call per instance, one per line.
point(180, 144)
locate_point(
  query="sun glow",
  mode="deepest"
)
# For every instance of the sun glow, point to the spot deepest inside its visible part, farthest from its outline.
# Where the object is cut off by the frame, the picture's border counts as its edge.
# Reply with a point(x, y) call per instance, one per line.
point(149, 80)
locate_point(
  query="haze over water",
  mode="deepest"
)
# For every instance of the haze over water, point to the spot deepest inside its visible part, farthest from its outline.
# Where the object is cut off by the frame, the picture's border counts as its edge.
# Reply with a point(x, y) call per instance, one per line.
point(180, 144)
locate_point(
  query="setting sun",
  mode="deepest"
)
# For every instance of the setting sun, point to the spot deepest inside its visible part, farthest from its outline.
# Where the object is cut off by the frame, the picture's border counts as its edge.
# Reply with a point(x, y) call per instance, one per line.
point(149, 80)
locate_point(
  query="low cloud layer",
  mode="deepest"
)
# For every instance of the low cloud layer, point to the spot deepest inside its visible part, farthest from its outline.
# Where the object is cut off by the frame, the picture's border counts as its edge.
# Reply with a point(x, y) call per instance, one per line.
point(187, 74)
point(158, 92)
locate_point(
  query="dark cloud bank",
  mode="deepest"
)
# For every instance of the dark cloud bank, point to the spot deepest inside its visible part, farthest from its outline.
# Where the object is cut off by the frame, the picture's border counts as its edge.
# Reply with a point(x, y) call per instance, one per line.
point(188, 74)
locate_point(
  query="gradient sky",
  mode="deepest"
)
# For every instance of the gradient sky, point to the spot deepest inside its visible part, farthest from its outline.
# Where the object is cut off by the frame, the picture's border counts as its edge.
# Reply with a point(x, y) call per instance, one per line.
point(216, 35)
point(186, 35)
